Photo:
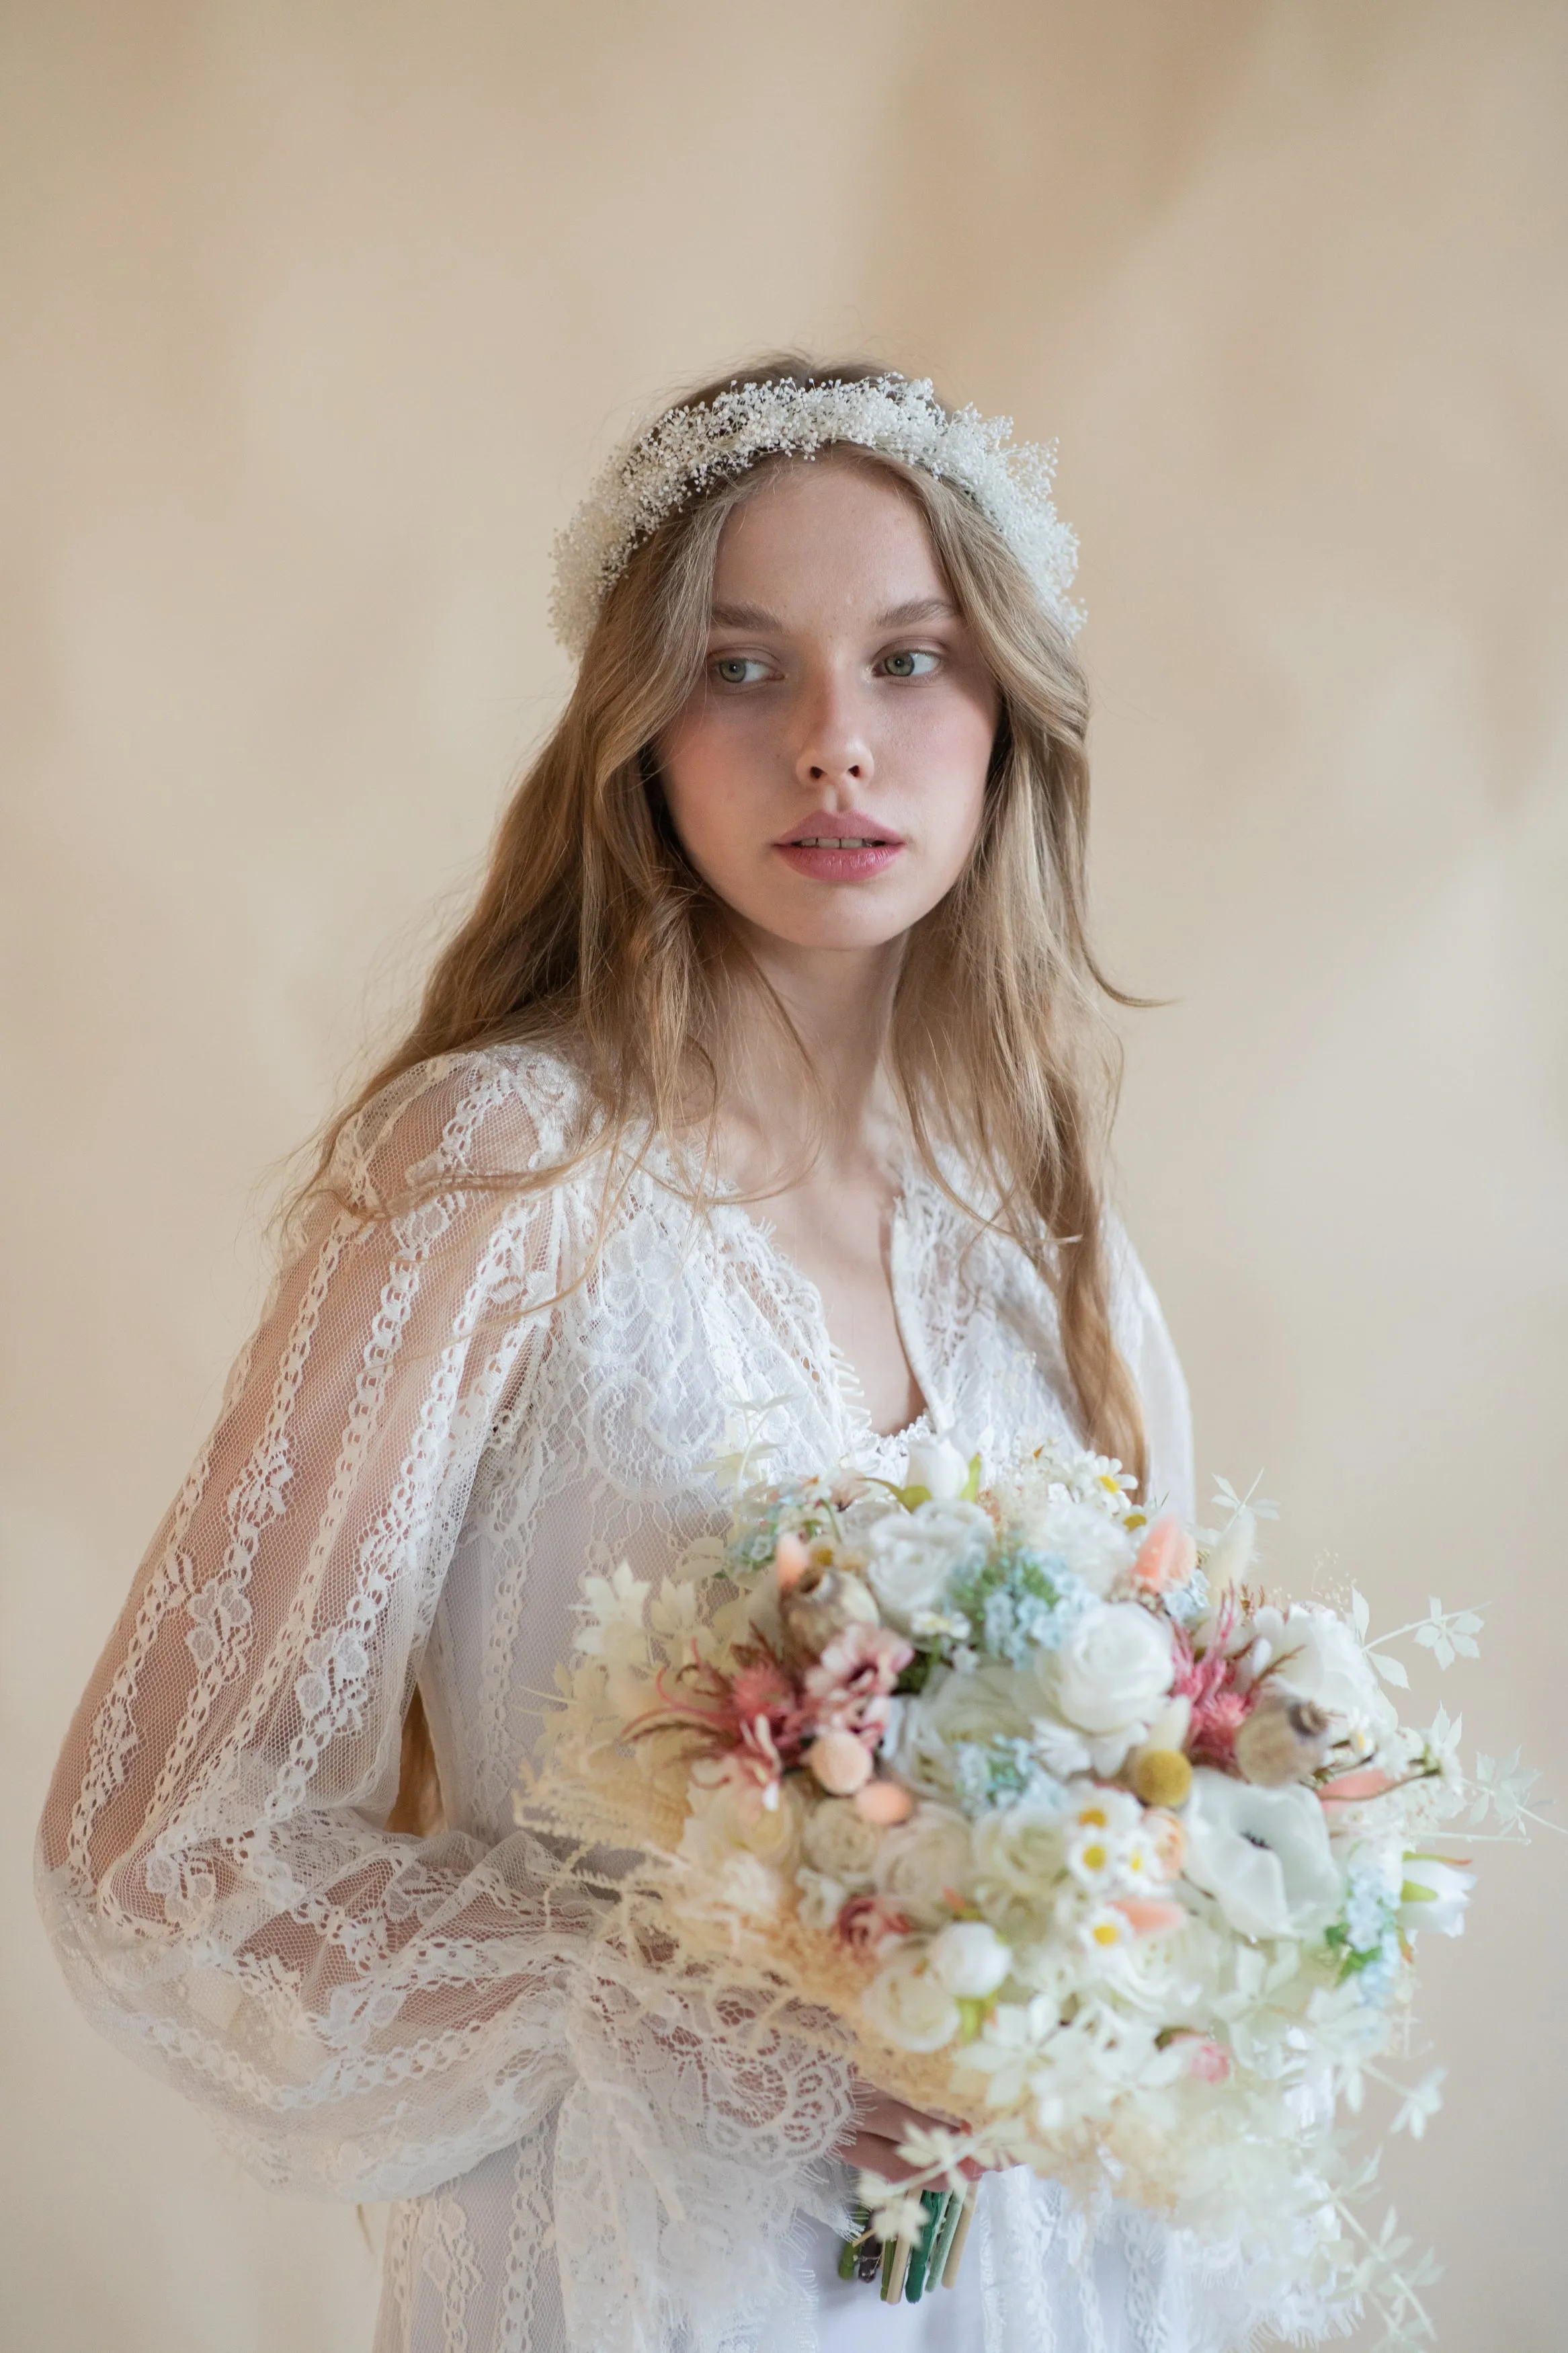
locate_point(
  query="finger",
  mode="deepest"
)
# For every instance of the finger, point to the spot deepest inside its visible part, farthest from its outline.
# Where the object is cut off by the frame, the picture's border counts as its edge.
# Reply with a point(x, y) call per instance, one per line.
point(892, 2121)
point(875, 2152)
point(895, 2116)
point(870, 2153)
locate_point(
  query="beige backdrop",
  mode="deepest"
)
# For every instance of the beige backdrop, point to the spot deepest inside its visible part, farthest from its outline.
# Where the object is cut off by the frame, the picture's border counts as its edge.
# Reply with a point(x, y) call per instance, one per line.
point(315, 317)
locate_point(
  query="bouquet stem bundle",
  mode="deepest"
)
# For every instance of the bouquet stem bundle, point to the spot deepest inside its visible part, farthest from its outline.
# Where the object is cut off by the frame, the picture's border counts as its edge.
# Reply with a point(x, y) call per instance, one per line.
point(907, 2268)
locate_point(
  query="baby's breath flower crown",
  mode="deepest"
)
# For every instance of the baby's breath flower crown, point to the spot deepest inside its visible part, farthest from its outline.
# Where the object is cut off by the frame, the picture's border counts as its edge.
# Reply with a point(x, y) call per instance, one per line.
point(688, 449)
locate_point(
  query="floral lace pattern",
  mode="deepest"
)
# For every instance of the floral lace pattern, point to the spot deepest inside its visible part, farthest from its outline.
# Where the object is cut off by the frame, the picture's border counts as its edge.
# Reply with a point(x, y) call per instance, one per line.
point(434, 1432)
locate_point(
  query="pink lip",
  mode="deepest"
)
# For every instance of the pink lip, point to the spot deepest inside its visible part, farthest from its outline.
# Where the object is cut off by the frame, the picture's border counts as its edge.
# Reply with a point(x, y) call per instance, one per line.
point(841, 865)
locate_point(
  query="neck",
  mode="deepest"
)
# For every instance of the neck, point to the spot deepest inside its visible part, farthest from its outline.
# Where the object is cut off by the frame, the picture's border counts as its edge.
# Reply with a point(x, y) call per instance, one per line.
point(839, 1106)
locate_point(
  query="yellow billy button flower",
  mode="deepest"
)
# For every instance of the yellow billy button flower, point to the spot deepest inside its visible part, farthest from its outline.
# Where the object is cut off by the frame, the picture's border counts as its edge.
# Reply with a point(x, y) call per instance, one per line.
point(1161, 1776)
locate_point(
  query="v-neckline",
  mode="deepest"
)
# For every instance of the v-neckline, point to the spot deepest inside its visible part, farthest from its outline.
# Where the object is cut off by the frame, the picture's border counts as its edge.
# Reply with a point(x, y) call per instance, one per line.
point(662, 1162)
point(849, 1388)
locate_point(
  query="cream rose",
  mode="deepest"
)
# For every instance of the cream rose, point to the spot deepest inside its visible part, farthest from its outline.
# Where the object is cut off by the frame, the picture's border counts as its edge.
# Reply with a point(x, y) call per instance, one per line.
point(924, 1862)
point(840, 1842)
point(1112, 1671)
point(910, 1555)
point(907, 2003)
point(726, 1820)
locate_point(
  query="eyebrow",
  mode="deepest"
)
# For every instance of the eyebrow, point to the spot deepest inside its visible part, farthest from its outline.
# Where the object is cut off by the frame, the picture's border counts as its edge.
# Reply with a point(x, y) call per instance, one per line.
point(896, 617)
point(743, 616)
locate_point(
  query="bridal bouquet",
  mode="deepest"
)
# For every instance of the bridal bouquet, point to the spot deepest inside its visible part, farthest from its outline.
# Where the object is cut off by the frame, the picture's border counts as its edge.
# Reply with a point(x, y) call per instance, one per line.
point(1067, 1827)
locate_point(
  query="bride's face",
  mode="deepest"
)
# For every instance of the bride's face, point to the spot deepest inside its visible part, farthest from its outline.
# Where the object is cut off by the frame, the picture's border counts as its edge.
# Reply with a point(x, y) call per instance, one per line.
point(826, 776)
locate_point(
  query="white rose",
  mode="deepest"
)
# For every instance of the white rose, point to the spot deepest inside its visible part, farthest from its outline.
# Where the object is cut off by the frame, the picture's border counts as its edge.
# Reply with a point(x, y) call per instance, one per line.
point(841, 1843)
point(1019, 1853)
point(725, 1820)
point(910, 1555)
point(989, 1702)
point(862, 1514)
point(923, 1862)
point(938, 1466)
point(1263, 1854)
point(908, 2004)
point(1095, 1548)
point(1321, 1659)
point(1063, 1752)
point(1112, 1671)
point(969, 1959)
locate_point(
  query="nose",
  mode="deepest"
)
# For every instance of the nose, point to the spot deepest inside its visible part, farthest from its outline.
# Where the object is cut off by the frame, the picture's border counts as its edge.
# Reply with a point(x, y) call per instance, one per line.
point(835, 758)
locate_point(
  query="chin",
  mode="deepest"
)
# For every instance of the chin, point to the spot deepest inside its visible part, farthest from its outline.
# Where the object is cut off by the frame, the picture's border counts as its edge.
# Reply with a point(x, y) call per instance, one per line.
point(834, 916)
point(843, 935)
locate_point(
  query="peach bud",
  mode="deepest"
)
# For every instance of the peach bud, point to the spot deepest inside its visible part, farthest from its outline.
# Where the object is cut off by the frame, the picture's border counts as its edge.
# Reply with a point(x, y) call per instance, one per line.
point(841, 1763)
point(883, 1803)
point(1166, 1556)
point(791, 1560)
point(1353, 1788)
point(1148, 1917)
point(1170, 1839)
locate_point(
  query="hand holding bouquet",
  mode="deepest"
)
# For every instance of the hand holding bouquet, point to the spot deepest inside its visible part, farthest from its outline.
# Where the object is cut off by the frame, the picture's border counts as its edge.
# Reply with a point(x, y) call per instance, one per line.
point(1065, 1826)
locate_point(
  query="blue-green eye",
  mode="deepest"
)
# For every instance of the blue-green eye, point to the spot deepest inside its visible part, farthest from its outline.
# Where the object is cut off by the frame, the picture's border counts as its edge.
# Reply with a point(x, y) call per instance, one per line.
point(910, 664)
point(739, 670)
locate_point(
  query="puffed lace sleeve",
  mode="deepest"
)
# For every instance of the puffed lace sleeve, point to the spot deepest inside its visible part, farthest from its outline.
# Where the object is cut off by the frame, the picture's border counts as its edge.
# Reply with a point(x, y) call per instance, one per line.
point(367, 2013)
point(1149, 1352)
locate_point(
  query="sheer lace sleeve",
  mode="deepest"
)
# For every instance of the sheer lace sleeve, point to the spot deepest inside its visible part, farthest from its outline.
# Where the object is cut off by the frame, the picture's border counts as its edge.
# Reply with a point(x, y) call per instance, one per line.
point(367, 2012)
point(1145, 1342)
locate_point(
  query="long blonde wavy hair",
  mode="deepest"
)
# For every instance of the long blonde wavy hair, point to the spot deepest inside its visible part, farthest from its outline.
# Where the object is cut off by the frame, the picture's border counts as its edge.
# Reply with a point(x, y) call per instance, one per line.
point(593, 928)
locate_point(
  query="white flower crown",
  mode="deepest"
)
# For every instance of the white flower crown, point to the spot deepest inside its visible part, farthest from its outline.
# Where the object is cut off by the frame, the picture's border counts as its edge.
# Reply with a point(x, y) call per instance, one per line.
point(688, 449)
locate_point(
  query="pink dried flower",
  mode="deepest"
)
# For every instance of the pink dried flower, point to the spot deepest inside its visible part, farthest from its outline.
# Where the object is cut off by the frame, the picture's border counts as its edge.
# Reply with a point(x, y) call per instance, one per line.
point(1216, 1724)
point(755, 1781)
point(754, 1718)
point(847, 1688)
point(1219, 1708)
point(866, 1923)
point(769, 1720)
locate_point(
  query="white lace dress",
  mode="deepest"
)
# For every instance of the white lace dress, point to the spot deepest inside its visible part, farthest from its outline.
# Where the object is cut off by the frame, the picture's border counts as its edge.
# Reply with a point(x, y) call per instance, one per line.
point(419, 1455)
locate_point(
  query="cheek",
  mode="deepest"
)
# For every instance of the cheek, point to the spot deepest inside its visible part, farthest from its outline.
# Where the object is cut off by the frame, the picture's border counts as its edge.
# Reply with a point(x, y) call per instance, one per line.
point(949, 762)
point(700, 774)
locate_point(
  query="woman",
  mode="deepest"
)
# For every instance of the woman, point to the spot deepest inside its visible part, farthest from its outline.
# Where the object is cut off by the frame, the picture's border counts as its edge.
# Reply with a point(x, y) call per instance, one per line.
point(787, 918)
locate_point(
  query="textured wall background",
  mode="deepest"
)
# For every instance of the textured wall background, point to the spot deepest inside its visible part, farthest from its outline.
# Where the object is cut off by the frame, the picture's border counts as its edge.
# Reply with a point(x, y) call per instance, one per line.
point(316, 317)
